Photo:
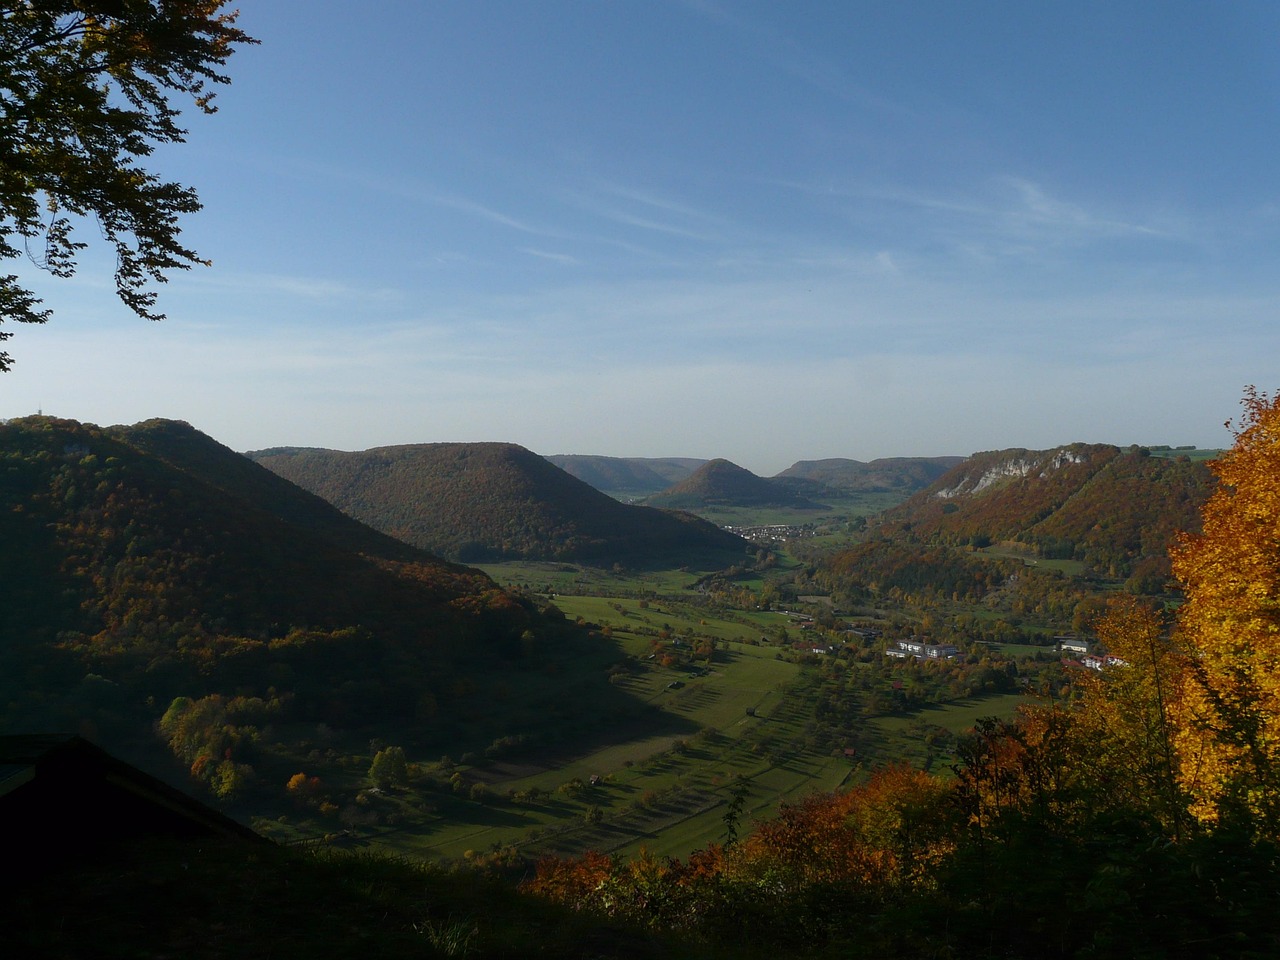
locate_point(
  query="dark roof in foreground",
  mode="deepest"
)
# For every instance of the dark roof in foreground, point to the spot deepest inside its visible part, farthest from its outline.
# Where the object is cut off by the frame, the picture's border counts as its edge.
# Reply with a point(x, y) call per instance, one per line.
point(70, 795)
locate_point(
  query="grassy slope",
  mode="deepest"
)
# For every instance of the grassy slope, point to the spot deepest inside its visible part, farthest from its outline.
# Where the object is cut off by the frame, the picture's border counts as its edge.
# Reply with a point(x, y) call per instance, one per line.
point(665, 787)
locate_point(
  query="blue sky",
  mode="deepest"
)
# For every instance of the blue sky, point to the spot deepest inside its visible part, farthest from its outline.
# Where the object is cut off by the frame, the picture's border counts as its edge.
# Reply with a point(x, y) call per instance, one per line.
point(762, 231)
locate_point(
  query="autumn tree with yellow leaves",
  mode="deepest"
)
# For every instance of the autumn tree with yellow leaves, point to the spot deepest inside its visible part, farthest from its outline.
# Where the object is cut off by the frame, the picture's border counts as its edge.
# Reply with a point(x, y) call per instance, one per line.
point(1226, 711)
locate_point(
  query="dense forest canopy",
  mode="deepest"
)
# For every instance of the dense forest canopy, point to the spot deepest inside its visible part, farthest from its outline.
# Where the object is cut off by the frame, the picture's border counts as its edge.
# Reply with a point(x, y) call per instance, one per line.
point(479, 502)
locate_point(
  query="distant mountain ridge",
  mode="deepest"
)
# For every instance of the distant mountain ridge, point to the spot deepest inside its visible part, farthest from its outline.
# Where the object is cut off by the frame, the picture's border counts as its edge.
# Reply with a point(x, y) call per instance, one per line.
point(889, 474)
point(631, 476)
point(494, 501)
point(722, 483)
point(641, 477)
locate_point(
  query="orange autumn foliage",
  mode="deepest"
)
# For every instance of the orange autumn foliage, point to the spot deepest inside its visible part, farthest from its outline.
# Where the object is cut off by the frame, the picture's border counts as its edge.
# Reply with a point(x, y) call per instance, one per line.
point(886, 833)
point(571, 881)
point(884, 836)
point(661, 891)
point(1226, 713)
point(1029, 768)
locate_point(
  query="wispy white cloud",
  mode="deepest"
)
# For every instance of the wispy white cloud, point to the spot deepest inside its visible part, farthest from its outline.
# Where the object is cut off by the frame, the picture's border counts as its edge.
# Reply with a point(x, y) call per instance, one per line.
point(1005, 218)
point(413, 190)
point(608, 202)
point(660, 202)
point(1033, 204)
point(1007, 201)
point(631, 220)
point(872, 368)
point(833, 260)
point(885, 262)
point(483, 212)
point(562, 258)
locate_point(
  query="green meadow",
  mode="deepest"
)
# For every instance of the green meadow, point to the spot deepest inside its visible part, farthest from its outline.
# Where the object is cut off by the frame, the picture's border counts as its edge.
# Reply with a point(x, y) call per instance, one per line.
point(738, 721)
point(831, 513)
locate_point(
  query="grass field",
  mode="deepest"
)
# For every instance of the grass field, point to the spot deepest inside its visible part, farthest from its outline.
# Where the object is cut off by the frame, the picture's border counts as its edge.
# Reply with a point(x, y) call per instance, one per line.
point(679, 733)
point(661, 791)
point(913, 738)
point(629, 617)
point(669, 795)
point(548, 578)
point(1072, 568)
point(743, 717)
point(1190, 454)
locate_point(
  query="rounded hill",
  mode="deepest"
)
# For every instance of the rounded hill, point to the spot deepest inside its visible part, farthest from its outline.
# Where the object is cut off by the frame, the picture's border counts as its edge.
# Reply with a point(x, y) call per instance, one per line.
point(158, 524)
point(720, 483)
point(477, 502)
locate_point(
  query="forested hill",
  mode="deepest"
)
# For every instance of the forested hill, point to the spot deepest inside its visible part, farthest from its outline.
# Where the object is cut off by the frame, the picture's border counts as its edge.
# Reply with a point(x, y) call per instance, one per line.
point(639, 477)
point(148, 563)
point(158, 523)
point(1116, 509)
point(721, 483)
point(493, 501)
point(198, 456)
point(893, 474)
point(154, 579)
point(627, 476)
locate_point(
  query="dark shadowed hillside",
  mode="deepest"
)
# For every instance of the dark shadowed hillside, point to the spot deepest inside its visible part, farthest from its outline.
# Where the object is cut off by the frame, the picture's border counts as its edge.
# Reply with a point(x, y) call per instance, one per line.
point(719, 483)
point(196, 455)
point(189, 609)
point(494, 501)
point(158, 523)
point(150, 564)
point(627, 476)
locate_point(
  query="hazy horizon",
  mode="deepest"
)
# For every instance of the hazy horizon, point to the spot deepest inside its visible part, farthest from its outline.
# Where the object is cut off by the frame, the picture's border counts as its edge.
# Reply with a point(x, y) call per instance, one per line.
point(768, 471)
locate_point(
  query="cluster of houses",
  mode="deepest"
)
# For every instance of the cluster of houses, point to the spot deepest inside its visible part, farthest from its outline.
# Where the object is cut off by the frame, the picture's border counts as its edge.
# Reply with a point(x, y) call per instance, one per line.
point(805, 622)
point(922, 650)
point(1076, 652)
point(772, 533)
point(1081, 653)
